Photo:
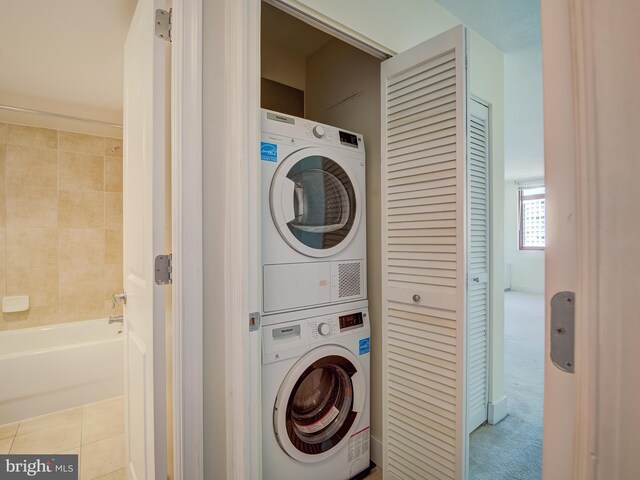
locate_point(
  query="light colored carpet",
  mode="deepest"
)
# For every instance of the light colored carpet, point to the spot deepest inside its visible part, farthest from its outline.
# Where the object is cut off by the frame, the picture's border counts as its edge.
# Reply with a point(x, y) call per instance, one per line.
point(512, 449)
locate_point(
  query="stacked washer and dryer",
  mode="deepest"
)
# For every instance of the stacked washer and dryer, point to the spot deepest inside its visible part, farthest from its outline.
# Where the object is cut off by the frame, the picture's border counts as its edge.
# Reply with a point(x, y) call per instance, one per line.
point(315, 323)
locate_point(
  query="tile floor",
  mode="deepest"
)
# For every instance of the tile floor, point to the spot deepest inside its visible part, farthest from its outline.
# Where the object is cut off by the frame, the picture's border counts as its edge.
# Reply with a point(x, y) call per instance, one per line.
point(376, 474)
point(94, 431)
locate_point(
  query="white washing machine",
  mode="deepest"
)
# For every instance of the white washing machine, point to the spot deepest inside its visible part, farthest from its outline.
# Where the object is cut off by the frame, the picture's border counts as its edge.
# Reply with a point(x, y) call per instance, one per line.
point(313, 214)
point(315, 395)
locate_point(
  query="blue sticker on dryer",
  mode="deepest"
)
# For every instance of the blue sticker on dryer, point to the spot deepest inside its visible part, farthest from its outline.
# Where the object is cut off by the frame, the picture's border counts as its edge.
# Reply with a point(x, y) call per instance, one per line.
point(268, 152)
point(364, 346)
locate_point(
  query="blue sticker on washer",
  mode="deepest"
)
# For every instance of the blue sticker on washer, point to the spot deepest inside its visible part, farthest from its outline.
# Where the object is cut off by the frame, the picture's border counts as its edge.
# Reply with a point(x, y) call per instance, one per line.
point(268, 152)
point(365, 346)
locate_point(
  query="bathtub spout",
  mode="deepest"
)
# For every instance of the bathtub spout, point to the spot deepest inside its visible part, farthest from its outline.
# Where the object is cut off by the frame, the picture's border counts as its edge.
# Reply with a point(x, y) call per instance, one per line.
point(118, 319)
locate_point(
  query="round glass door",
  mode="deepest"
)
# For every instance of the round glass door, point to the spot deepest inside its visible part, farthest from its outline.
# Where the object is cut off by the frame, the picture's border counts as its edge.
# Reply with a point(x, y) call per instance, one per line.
point(315, 203)
point(319, 410)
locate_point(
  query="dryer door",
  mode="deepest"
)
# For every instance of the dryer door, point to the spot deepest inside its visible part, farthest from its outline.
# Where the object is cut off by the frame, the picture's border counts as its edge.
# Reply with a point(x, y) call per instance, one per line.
point(319, 403)
point(315, 202)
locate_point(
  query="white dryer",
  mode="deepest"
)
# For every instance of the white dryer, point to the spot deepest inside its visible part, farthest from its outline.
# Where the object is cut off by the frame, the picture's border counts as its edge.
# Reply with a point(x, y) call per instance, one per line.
point(315, 396)
point(313, 214)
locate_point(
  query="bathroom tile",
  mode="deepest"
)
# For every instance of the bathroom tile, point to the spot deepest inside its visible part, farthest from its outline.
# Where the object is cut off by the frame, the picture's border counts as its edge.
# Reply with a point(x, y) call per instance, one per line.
point(73, 308)
point(9, 429)
point(64, 418)
point(32, 136)
point(81, 246)
point(31, 207)
point(5, 445)
point(41, 284)
point(49, 440)
point(34, 317)
point(102, 457)
point(79, 171)
point(31, 247)
point(113, 147)
point(81, 209)
point(3, 248)
point(83, 281)
point(113, 174)
point(81, 143)
point(113, 280)
point(3, 162)
point(3, 133)
point(117, 475)
point(102, 420)
point(108, 309)
point(31, 167)
point(113, 246)
point(113, 211)
point(74, 451)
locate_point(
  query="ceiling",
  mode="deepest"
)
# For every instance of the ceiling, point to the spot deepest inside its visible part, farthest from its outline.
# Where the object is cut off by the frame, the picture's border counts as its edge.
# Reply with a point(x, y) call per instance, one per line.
point(66, 51)
point(513, 26)
point(71, 51)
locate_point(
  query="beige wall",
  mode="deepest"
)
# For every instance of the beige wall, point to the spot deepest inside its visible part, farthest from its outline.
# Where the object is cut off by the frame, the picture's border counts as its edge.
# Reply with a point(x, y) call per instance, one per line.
point(60, 223)
point(282, 66)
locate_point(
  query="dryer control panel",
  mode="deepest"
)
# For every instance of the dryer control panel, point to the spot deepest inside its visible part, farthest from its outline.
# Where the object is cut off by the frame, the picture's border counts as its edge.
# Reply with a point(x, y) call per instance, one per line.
point(287, 126)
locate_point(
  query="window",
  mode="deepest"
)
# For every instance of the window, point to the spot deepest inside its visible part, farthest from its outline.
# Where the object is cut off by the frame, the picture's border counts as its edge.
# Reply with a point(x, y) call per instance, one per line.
point(531, 205)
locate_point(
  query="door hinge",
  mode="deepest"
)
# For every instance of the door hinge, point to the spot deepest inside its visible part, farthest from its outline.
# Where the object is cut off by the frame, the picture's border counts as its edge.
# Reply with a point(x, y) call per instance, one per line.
point(164, 267)
point(562, 341)
point(163, 24)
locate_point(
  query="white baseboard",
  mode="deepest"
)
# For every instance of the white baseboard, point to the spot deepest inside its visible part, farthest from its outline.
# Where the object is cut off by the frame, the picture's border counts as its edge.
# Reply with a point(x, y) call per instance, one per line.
point(538, 291)
point(376, 451)
point(498, 410)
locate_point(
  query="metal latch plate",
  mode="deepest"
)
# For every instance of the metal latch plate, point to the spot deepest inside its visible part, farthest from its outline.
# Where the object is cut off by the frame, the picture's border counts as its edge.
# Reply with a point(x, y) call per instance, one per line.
point(254, 321)
point(163, 269)
point(563, 307)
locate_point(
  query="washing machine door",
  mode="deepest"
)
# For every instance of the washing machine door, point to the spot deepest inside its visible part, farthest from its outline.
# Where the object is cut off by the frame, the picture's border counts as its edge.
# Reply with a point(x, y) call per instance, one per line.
point(315, 202)
point(319, 403)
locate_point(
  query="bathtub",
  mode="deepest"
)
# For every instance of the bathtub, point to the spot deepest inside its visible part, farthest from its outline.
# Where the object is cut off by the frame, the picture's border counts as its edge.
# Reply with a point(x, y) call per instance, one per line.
point(46, 369)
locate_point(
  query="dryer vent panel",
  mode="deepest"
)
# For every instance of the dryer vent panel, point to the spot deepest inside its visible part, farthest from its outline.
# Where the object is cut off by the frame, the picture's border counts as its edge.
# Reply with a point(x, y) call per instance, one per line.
point(349, 280)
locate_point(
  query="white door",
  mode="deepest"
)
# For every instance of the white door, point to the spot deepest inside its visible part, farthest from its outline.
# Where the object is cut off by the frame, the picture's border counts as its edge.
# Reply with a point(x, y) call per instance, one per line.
point(144, 223)
point(477, 263)
point(424, 271)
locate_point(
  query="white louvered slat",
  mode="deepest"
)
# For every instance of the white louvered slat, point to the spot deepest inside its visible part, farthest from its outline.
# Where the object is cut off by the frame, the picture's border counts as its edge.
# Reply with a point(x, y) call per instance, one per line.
point(423, 222)
point(478, 265)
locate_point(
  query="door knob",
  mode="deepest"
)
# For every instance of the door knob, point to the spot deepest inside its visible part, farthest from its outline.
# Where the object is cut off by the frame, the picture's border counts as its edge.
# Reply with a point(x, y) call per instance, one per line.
point(416, 298)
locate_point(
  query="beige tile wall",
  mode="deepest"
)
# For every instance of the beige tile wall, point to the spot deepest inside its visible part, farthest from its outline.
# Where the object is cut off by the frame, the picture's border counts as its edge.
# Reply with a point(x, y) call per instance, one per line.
point(60, 224)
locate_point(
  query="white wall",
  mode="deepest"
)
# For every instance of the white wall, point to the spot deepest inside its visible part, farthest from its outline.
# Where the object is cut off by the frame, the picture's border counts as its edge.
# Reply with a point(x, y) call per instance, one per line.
point(527, 266)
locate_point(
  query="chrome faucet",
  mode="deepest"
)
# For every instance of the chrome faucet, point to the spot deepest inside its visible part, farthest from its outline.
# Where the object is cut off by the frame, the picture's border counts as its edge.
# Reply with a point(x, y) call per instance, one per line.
point(116, 319)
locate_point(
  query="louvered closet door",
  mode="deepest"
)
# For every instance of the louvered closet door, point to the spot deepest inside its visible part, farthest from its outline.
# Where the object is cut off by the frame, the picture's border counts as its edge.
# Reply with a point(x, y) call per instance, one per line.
point(478, 264)
point(423, 188)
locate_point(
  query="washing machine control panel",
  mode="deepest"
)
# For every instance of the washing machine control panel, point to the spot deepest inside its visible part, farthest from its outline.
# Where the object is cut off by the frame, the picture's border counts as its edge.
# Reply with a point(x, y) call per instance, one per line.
point(351, 321)
point(324, 329)
point(288, 339)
